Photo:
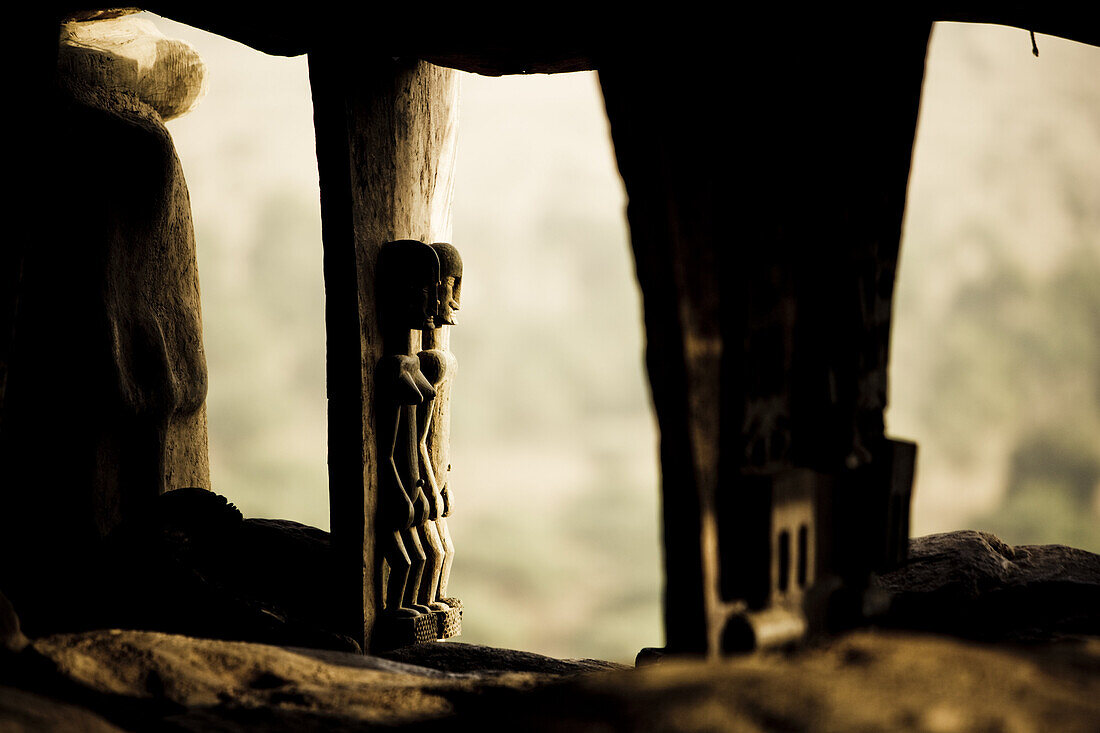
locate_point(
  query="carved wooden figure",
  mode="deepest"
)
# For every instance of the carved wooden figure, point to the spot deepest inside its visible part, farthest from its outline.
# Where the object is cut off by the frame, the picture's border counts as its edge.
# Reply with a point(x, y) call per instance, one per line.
point(408, 273)
point(410, 502)
point(439, 365)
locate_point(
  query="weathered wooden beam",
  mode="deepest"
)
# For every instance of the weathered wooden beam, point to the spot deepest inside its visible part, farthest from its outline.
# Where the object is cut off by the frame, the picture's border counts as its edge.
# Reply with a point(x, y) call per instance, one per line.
point(485, 43)
point(479, 43)
point(490, 61)
point(385, 149)
point(129, 54)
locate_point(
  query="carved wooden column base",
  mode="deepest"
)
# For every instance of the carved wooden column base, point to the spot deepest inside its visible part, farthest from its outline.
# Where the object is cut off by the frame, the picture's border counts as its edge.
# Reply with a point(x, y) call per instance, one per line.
point(398, 632)
point(449, 622)
point(394, 632)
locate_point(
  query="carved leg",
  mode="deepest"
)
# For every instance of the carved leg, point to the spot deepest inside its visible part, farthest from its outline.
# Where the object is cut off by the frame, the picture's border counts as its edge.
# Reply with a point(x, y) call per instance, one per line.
point(433, 569)
point(400, 566)
point(404, 622)
point(448, 559)
point(418, 559)
point(450, 620)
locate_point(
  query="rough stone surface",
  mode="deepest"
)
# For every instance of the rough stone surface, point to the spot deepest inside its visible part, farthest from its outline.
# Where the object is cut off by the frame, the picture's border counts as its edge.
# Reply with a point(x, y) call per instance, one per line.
point(140, 679)
point(867, 681)
point(25, 712)
point(205, 566)
point(193, 565)
point(469, 658)
point(972, 584)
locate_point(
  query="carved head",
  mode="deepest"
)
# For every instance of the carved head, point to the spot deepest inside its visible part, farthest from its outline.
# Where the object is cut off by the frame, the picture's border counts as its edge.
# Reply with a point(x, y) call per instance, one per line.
point(407, 284)
point(450, 283)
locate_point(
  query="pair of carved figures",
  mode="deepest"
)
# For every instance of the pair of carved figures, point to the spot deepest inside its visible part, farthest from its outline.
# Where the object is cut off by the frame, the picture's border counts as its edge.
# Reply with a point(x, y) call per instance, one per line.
point(418, 288)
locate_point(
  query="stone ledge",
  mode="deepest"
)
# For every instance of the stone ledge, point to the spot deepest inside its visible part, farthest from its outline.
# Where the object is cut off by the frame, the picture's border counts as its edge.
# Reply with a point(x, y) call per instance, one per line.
point(865, 681)
point(962, 582)
point(453, 656)
point(972, 584)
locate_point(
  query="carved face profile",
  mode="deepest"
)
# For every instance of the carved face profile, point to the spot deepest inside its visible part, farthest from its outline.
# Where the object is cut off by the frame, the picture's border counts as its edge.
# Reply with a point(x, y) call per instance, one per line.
point(407, 284)
point(450, 283)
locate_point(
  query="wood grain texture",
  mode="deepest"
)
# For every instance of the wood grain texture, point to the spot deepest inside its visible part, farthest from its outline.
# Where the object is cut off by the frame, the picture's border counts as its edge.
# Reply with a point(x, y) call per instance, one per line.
point(385, 148)
point(129, 53)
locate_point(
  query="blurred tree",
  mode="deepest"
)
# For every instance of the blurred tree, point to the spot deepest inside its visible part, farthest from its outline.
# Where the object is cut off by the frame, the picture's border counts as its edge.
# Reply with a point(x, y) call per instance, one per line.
point(996, 354)
point(266, 353)
point(1053, 484)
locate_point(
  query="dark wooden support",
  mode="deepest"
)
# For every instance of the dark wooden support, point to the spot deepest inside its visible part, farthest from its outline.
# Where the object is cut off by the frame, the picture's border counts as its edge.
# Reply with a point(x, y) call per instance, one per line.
point(765, 208)
point(385, 146)
point(487, 43)
point(674, 212)
point(36, 83)
point(102, 370)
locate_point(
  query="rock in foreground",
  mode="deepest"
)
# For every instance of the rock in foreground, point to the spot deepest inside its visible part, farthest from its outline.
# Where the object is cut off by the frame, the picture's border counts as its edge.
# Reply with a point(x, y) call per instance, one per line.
point(963, 583)
point(867, 681)
point(972, 584)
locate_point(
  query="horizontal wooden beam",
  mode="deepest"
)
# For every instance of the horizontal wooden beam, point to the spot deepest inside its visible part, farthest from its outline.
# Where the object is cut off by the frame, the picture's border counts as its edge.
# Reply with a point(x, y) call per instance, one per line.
point(495, 47)
point(1055, 18)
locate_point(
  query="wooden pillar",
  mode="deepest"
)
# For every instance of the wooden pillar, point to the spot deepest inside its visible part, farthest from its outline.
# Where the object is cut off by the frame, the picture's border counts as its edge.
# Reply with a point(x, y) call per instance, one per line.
point(675, 229)
point(765, 204)
point(385, 149)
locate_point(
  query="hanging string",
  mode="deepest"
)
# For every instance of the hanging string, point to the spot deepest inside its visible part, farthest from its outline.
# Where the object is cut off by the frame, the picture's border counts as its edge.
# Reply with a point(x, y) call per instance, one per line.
point(1034, 46)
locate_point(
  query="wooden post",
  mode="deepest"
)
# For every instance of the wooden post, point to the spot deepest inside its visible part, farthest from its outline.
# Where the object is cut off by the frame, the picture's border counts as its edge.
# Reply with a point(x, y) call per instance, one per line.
point(765, 205)
point(671, 185)
point(385, 150)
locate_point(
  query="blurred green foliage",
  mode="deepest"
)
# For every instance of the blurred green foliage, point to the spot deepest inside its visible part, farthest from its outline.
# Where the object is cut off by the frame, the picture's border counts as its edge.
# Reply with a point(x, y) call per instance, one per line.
point(1046, 340)
point(995, 365)
point(265, 342)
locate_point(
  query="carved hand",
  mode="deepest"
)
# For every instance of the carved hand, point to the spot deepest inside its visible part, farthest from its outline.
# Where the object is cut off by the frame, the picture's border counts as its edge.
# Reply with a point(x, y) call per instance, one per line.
point(448, 501)
point(402, 512)
point(405, 513)
point(420, 505)
point(438, 506)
